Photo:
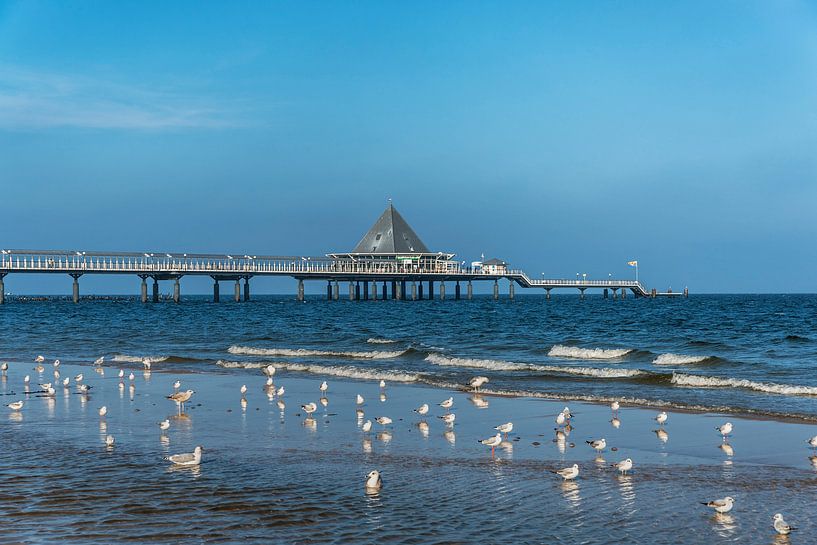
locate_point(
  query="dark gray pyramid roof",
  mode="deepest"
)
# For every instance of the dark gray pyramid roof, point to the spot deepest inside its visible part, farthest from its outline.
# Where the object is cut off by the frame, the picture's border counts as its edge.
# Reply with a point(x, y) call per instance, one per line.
point(390, 234)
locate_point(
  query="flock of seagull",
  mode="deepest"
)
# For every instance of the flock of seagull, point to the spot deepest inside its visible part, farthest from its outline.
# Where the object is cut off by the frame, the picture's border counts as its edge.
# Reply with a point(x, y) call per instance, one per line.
point(373, 481)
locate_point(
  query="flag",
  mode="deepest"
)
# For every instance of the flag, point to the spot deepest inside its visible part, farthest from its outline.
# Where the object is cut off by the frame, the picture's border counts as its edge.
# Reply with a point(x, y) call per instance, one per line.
point(632, 263)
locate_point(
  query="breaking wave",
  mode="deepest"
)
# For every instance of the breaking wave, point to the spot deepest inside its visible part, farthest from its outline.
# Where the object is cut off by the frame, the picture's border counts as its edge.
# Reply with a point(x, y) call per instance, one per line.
point(306, 352)
point(346, 371)
point(562, 351)
point(124, 358)
point(678, 359)
point(698, 381)
point(499, 365)
point(375, 340)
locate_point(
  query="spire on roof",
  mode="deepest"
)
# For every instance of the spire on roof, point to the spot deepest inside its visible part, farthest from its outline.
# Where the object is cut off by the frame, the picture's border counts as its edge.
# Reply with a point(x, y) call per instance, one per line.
point(390, 234)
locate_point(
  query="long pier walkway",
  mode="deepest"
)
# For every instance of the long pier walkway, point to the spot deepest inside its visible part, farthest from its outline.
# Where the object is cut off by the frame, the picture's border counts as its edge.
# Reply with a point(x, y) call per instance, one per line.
point(364, 277)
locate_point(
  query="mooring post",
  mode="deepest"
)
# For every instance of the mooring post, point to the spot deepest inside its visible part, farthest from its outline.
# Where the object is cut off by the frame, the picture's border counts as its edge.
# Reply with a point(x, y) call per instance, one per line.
point(686, 290)
point(615, 293)
point(430, 290)
point(510, 290)
point(336, 291)
point(547, 294)
point(420, 290)
point(606, 296)
point(397, 293)
point(177, 290)
point(143, 291)
point(2, 289)
point(237, 290)
point(457, 291)
point(394, 289)
point(300, 289)
point(365, 290)
point(442, 290)
point(496, 290)
point(385, 292)
point(215, 290)
point(155, 290)
point(582, 293)
point(623, 293)
point(246, 288)
point(351, 291)
point(413, 290)
point(403, 290)
point(76, 287)
point(357, 290)
point(374, 290)
point(469, 290)
point(328, 290)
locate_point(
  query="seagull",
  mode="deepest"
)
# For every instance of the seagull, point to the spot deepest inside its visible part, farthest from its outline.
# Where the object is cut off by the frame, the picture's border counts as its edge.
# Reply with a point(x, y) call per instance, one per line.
point(383, 420)
point(661, 418)
point(39, 359)
point(373, 481)
point(309, 408)
point(181, 398)
point(492, 442)
point(781, 526)
point(722, 505)
point(103, 410)
point(566, 412)
point(131, 377)
point(243, 389)
point(477, 382)
point(359, 399)
point(269, 370)
point(176, 385)
point(359, 413)
point(15, 405)
point(146, 363)
point(598, 444)
point(324, 386)
point(382, 384)
point(449, 418)
point(280, 391)
point(615, 405)
point(812, 442)
point(50, 391)
point(100, 360)
point(269, 383)
point(65, 382)
point(56, 374)
point(56, 363)
point(367, 426)
point(624, 466)
point(422, 410)
point(505, 428)
point(83, 388)
point(26, 380)
point(78, 378)
point(447, 404)
point(39, 368)
point(4, 367)
point(560, 419)
point(725, 430)
point(121, 373)
point(46, 386)
point(188, 458)
point(109, 441)
point(164, 424)
point(568, 473)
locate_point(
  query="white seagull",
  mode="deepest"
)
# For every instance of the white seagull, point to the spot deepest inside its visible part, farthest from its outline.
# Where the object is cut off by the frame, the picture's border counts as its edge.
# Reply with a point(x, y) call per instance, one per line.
point(78, 378)
point(449, 418)
point(359, 399)
point(65, 382)
point(373, 481)
point(56, 363)
point(131, 377)
point(109, 441)
point(26, 380)
point(447, 404)
point(781, 527)
point(598, 444)
point(4, 367)
point(661, 418)
point(121, 373)
point(383, 420)
point(243, 389)
point(100, 360)
point(624, 466)
point(164, 424)
point(181, 398)
point(367, 426)
point(103, 410)
point(188, 458)
point(176, 385)
point(615, 405)
point(382, 384)
point(492, 442)
point(725, 430)
point(269, 370)
point(280, 391)
point(477, 382)
point(309, 408)
point(422, 410)
point(723, 505)
point(505, 428)
point(561, 419)
point(324, 387)
point(39, 359)
point(568, 473)
point(812, 442)
point(15, 405)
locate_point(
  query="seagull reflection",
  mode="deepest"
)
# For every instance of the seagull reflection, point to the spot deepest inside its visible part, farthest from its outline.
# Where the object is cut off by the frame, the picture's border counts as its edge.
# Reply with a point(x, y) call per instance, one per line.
point(281, 407)
point(100, 371)
point(146, 375)
point(103, 426)
point(270, 395)
point(164, 439)
point(625, 486)
point(561, 441)
point(662, 435)
point(478, 401)
point(781, 539)
point(16, 416)
point(600, 460)
point(131, 391)
point(451, 437)
point(194, 471)
point(727, 449)
point(367, 445)
point(616, 423)
point(570, 491)
point(324, 401)
point(724, 524)
point(360, 414)
point(382, 398)
point(243, 404)
point(311, 424)
point(384, 437)
point(50, 403)
point(507, 446)
point(423, 427)
point(813, 460)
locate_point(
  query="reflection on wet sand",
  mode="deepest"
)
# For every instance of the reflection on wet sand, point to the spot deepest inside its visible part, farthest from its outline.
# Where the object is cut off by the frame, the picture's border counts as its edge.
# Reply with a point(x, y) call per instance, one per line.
point(451, 437)
point(478, 401)
point(662, 435)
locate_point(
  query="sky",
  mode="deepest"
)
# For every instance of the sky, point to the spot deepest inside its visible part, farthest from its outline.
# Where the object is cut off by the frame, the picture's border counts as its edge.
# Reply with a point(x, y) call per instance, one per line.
point(563, 137)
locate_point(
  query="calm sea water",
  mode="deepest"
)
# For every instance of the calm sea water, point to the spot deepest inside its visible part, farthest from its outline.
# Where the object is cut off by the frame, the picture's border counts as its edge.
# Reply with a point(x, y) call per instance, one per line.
point(742, 353)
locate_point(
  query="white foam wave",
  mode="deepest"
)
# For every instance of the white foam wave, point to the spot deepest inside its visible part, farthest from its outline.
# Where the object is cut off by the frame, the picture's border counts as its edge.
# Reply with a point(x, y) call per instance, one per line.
point(698, 381)
point(375, 340)
point(124, 358)
point(562, 351)
point(678, 359)
point(346, 371)
point(499, 365)
point(306, 352)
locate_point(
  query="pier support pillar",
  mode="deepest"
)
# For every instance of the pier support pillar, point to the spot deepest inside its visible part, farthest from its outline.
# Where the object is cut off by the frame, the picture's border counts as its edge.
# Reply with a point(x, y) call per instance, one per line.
point(420, 290)
point(2, 289)
point(581, 290)
point(300, 289)
point(547, 294)
point(457, 291)
point(177, 290)
point(351, 291)
point(365, 290)
point(143, 289)
point(615, 293)
point(246, 288)
point(469, 290)
point(385, 291)
point(414, 290)
point(623, 293)
point(237, 291)
point(397, 288)
point(328, 290)
point(606, 295)
point(653, 293)
point(442, 291)
point(215, 291)
point(686, 290)
point(357, 290)
point(496, 290)
point(76, 287)
point(510, 290)
point(374, 290)
point(394, 289)
point(155, 290)
point(336, 291)
point(403, 294)
point(430, 290)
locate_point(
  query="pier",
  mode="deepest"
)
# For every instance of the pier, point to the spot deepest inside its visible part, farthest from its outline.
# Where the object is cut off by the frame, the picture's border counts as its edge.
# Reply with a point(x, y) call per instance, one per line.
point(389, 262)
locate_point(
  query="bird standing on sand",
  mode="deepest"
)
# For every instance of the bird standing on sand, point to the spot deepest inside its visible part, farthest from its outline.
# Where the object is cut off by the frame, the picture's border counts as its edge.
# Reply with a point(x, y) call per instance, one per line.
point(661, 418)
point(177, 385)
point(164, 425)
point(243, 389)
point(812, 442)
point(447, 404)
point(359, 400)
point(722, 506)
point(39, 359)
point(568, 473)
point(449, 418)
point(477, 382)
point(103, 410)
point(615, 405)
point(383, 420)
point(15, 405)
point(78, 378)
point(188, 458)
point(561, 419)
point(324, 387)
point(373, 481)
point(367, 426)
point(598, 444)
point(280, 391)
point(382, 384)
point(146, 363)
point(309, 408)
point(492, 442)
point(4, 367)
point(181, 398)
point(100, 360)
point(422, 410)
point(109, 441)
point(505, 428)
point(781, 527)
point(725, 430)
point(624, 466)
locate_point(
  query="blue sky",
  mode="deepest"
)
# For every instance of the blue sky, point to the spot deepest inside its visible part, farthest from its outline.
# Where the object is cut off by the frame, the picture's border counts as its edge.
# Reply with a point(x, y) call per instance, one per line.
point(562, 136)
